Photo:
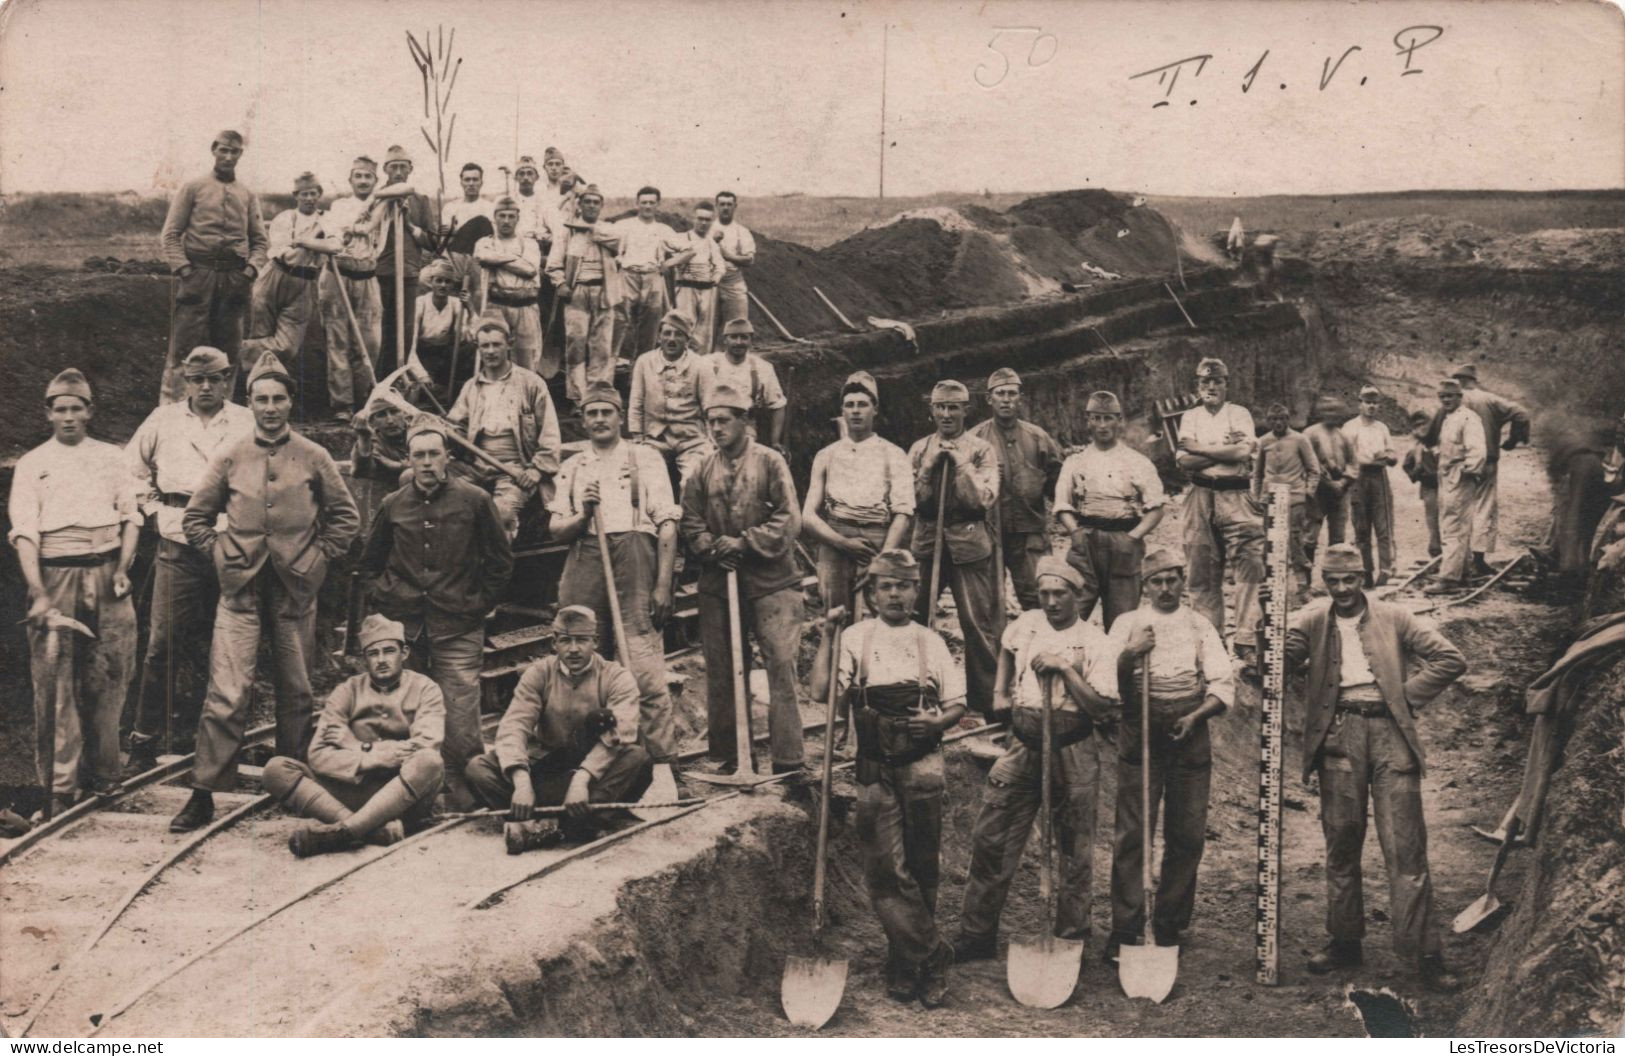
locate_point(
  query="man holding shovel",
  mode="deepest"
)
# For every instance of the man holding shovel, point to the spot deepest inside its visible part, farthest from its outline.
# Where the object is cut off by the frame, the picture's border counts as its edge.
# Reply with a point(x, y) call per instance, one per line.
point(352, 314)
point(75, 524)
point(1029, 462)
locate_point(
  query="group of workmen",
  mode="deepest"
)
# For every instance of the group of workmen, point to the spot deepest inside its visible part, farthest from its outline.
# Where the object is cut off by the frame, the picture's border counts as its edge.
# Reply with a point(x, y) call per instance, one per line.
point(249, 514)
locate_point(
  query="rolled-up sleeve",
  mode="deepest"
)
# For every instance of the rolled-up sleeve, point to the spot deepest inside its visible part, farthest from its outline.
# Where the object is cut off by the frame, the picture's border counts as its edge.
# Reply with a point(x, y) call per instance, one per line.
point(1216, 669)
point(900, 489)
point(655, 484)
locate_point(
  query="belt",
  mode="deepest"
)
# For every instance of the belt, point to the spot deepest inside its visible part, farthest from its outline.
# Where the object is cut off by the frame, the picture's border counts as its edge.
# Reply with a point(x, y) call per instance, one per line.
point(695, 285)
point(512, 299)
point(174, 498)
point(1109, 524)
point(295, 270)
point(79, 560)
point(352, 273)
point(1373, 469)
point(590, 282)
point(640, 269)
point(227, 262)
point(1362, 700)
point(1221, 483)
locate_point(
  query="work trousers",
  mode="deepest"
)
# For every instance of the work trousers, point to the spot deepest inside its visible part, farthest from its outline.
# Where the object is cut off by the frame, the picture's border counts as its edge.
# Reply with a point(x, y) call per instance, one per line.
point(900, 833)
point(453, 658)
point(263, 603)
point(1299, 555)
point(775, 620)
point(350, 357)
point(84, 680)
point(510, 500)
point(733, 298)
point(209, 308)
point(1373, 508)
point(1430, 509)
point(524, 331)
point(637, 315)
point(1021, 553)
point(389, 357)
point(1181, 774)
point(837, 572)
point(1456, 498)
point(685, 445)
point(700, 306)
point(1331, 506)
point(185, 591)
point(1487, 509)
point(976, 594)
point(338, 801)
point(1110, 563)
point(1011, 802)
point(283, 306)
point(1222, 529)
point(1367, 760)
point(437, 358)
point(625, 779)
point(589, 335)
point(634, 557)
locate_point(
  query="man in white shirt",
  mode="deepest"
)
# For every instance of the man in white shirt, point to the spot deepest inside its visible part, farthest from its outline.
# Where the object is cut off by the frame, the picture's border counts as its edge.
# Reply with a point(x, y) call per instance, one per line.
point(646, 244)
point(738, 254)
point(1191, 682)
point(285, 293)
point(1463, 453)
point(585, 270)
point(1372, 498)
point(75, 525)
point(1495, 412)
point(698, 267)
point(1047, 652)
point(511, 268)
point(167, 457)
point(736, 365)
point(351, 356)
point(458, 214)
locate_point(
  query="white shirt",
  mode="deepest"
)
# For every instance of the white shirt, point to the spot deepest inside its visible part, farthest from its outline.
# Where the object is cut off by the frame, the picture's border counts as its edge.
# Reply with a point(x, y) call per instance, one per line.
point(60, 486)
point(361, 248)
point(1356, 669)
point(531, 224)
point(170, 452)
point(462, 211)
point(736, 239)
point(644, 245)
point(1215, 430)
point(288, 225)
point(1083, 645)
point(1116, 482)
point(867, 482)
point(894, 658)
point(1461, 444)
point(1372, 441)
point(517, 246)
point(706, 265)
point(1188, 650)
point(612, 470)
point(718, 370)
point(434, 324)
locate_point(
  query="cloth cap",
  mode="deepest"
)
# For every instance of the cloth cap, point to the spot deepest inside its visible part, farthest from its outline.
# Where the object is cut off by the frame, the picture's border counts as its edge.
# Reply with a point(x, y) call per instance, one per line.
point(738, 326)
point(376, 628)
point(603, 392)
point(1466, 370)
point(1161, 561)
point(1003, 376)
point(1276, 408)
point(1060, 568)
point(229, 135)
point(364, 162)
point(1370, 392)
point(68, 383)
point(205, 360)
point(1212, 368)
point(950, 391)
point(552, 154)
point(526, 162)
point(437, 266)
point(492, 321)
point(895, 564)
point(306, 181)
point(1103, 402)
point(505, 202)
point(864, 382)
point(591, 191)
point(677, 319)
point(426, 423)
point(1449, 385)
point(575, 619)
point(1342, 557)
point(269, 366)
point(397, 153)
point(727, 396)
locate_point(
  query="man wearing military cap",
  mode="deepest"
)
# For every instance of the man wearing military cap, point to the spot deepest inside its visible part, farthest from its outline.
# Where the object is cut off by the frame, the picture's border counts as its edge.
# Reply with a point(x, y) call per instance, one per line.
point(587, 277)
point(626, 486)
point(441, 325)
point(285, 293)
point(1191, 683)
point(697, 267)
point(1372, 497)
point(1463, 454)
point(531, 225)
point(738, 248)
point(665, 409)
point(167, 457)
point(1371, 667)
point(740, 515)
point(214, 242)
point(74, 523)
point(1049, 652)
point(1285, 457)
point(903, 691)
point(1108, 497)
point(1496, 412)
point(1029, 462)
point(373, 766)
point(288, 513)
point(350, 287)
point(421, 231)
point(440, 559)
point(569, 737)
point(647, 244)
point(967, 567)
point(511, 269)
point(1334, 452)
point(736, 365)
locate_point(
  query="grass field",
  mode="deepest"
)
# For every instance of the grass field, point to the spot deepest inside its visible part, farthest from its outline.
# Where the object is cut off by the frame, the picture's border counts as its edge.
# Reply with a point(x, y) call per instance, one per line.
point(1514, 212)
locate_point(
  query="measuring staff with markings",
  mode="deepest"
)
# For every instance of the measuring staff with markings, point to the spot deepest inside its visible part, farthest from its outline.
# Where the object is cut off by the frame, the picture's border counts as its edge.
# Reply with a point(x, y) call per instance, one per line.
point(1360, 737)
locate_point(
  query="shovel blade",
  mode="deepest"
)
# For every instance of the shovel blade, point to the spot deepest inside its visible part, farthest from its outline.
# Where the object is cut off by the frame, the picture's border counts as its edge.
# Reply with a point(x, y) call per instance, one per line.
point(1043, 972)
point(1148, 971)
point(1483, 909)
point(812, 989)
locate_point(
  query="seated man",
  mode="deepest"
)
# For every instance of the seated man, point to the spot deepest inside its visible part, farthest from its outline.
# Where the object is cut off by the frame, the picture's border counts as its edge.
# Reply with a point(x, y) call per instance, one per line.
point(373, 766)
point(569, 737)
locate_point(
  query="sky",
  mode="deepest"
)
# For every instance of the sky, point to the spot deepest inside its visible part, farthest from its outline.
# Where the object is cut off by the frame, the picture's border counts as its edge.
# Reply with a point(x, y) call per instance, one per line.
point(785, 97)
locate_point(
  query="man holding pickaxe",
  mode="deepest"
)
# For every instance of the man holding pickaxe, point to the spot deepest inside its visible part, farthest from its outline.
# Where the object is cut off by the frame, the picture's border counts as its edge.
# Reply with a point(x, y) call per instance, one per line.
point(583, 267)
point(75, 524)
point(352, 314)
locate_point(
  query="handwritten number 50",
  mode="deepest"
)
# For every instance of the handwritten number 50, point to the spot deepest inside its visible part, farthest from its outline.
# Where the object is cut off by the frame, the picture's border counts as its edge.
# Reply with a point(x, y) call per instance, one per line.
point(1040, 53)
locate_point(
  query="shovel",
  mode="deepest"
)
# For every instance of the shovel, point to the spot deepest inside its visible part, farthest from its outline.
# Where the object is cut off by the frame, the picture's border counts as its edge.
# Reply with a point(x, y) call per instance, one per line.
point(745, 771)
point(1147, 970)
point(1487, 905)
point(1042, 972)
point(812, 986)
point(936, 553)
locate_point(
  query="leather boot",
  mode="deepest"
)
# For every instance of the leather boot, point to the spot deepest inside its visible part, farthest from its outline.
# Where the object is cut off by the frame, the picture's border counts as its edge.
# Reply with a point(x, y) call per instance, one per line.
point(975, 948)
point(934, 976)
point(143, 757)
point(321, 838)
point(902, 982)
point(385, 834)
point(1336, 955)
point(536, 834)
point(198, 812)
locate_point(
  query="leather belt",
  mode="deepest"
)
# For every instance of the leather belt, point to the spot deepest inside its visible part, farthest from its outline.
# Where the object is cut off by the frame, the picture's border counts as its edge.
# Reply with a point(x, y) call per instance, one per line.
point(695, 285)
point(79, 560)
point(1109, 524)
point(1362, 700)
point(352, 273)
point(512, 300)
point(590, 282)
point(295, 270)
point(226, 262)
point(1221, 483)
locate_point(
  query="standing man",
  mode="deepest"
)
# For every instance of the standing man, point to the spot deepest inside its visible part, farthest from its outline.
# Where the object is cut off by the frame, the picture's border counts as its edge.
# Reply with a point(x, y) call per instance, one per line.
point(903, 691)
point(1373, 500)
point(455, 215)
point(1371, 667)
point(626, 486)
point(1495, 412)
point(214, 243)
point(167, 457)
point(374, 764)
point(511, 270)
point(352, 348)
point(1048, 651)
point(1108, 497)
point(738, 254)
point(1222, 529)
point(531, 205)
point(665, 411)
point(439, 559)
point(1463, 454)
point(1421, 465)
point(419, 224)
point(584, 269)
point(1285, 457)
point(967, 567)
point(740, 515)
point(738, 366)
point(1335, 454)
point(74, 523)
point(698, 267)
point(288, 514)
point(1191, 683)
point(646, 243)
point(1029, 462)
point(508, 413)
point(285, 294)
point(440, 325)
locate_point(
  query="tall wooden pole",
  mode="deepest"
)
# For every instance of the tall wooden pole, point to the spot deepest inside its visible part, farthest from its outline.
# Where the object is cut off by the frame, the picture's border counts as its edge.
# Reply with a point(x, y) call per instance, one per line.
point(885, 40)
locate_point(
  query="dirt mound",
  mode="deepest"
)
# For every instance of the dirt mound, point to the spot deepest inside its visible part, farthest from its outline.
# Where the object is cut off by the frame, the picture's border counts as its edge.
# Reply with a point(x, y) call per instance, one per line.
point(1443, 240)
